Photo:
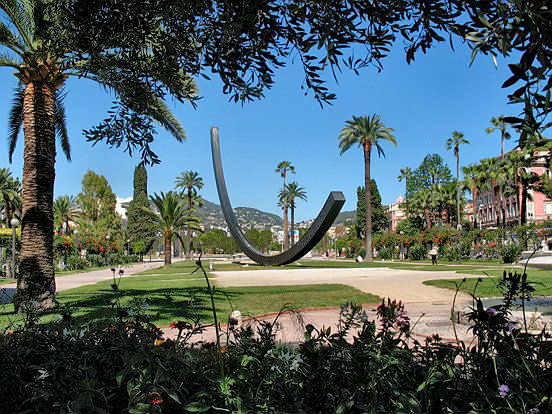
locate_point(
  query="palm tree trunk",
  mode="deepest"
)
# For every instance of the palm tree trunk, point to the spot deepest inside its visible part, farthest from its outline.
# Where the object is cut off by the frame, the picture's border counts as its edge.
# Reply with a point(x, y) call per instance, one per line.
point(36, 285)
point(286, 223)
point(517, 199)
point(475, 211)
point(427, 218)
point(368, 198)
point(168, 250)
point(502, 145)
point(458, 215)
point(190, 232)
point(292, 227)
point(523, 207)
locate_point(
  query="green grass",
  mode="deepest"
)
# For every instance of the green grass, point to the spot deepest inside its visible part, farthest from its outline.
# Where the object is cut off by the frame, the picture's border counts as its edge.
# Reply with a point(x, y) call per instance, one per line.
point(185, 267)
point(172, 297)
point(541, 279)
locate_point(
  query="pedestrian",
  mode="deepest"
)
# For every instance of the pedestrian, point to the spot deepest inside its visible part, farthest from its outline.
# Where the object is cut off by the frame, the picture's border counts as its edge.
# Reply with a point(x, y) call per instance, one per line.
point(433, 254)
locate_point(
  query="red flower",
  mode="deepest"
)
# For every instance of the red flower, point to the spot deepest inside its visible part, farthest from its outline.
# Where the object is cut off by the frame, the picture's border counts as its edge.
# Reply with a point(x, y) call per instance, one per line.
point(155, 398)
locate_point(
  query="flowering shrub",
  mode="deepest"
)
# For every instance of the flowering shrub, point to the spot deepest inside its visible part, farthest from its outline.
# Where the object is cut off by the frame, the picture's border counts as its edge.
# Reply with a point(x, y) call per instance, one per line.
point(123, 364)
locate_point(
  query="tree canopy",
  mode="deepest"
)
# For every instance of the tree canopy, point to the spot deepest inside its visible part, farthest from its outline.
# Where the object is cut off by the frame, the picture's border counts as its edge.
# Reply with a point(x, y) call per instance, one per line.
point(140, 229)
point(379, 218)
point(162, 45)
point(432, 170)
point(97, 203)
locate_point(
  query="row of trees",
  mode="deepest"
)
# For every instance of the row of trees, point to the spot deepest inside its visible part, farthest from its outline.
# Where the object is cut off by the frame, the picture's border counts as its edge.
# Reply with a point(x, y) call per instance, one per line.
point(287, 199)
point(430, 188)
point(45, 42)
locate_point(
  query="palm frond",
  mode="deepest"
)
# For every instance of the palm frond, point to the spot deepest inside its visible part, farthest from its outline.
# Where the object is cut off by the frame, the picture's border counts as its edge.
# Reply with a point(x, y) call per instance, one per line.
point(9, 61)
point(60, 124)
point(159, 111)
point(18, 14)
point(10, 39)
point(154, 106)
point(15, 120)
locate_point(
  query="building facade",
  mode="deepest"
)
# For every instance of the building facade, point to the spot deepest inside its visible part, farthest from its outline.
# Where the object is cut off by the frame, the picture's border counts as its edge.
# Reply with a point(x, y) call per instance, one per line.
point(395, 213)
point(494, 209)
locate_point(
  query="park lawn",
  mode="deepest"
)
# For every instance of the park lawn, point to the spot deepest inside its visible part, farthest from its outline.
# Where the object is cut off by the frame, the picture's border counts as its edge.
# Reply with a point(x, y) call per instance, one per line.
point(170, 299)
point(541, 280)
point(186, 267)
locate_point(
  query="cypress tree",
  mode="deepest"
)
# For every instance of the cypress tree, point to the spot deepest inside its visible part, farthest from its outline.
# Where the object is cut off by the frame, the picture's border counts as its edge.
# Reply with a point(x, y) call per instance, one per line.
point(140, 228)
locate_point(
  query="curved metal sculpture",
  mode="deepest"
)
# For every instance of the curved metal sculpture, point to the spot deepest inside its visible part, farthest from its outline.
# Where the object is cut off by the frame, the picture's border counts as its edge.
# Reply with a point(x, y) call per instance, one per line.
point(317, 230)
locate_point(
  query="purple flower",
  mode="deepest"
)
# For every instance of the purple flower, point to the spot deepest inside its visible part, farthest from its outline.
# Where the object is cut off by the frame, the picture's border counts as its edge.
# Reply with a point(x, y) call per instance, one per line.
point(503, 390)
point(510, 326)
point(534, 411)
point(491, 311)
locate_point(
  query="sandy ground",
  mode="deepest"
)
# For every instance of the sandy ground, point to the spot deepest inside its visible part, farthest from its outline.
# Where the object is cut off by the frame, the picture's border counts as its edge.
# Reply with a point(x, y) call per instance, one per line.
point(82, 279)
point(429, 307)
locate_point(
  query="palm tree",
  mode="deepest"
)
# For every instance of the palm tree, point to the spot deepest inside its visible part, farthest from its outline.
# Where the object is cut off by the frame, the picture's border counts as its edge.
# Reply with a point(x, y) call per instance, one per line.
point(454, 143)
point(475, 181)
point(283, 168)
point(191, 182)
point(405, 175)
point(10, 193)
point(290, 194)
point(65, 210)
point(515, 165)
point(42, 68)
point(499, 124)
point(366, 132)
point(170, 213)
point(421, 203)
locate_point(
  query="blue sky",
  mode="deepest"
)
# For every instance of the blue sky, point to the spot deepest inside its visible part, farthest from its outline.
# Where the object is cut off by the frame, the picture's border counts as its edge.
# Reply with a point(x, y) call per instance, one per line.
point(424, 102)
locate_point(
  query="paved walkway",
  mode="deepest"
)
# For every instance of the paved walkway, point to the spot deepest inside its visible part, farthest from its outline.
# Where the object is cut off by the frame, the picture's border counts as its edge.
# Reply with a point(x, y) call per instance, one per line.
point(429, 307)
point(86, 278)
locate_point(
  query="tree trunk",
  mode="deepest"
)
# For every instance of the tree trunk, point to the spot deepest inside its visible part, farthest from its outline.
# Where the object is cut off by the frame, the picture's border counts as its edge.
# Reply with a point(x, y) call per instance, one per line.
point(168, 250)
point(475, 210)
point(292, 227)
point(368, 198)
point(517, 199)
point(36, 285)
point(286, 224)
point(427, 218)
point(523, 207)
point(502, 145)
point(458, 215)
point(190, 232)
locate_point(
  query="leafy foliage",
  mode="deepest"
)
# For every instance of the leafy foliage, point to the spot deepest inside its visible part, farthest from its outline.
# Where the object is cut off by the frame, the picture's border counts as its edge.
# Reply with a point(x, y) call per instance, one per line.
point(130, 367)
point(97, 207)
point(379, 218)
point(139, 226)
point(432, 170)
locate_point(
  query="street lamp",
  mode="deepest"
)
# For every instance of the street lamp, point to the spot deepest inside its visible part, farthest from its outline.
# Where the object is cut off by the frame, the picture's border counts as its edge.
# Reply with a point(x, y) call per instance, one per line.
point(14, 223)
point(401, 253)
point(128, 246)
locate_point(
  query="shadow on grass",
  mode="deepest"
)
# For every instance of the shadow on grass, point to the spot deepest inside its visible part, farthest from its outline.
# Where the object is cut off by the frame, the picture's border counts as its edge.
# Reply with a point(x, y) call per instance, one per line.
point(162, 305)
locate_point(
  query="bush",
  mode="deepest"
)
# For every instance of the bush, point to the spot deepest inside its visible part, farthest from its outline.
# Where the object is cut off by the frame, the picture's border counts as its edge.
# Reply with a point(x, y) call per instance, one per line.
point(417, 252)
point(510, 252)
point(75, 262)
point(122, 364)
point(386, 253)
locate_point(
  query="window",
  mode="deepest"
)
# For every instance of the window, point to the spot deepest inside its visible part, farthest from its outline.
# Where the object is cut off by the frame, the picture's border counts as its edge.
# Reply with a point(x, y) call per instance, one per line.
point(548, 207)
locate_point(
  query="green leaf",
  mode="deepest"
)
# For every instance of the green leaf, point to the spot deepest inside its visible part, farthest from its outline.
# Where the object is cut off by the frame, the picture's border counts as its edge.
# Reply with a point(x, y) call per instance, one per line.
point(197, 407)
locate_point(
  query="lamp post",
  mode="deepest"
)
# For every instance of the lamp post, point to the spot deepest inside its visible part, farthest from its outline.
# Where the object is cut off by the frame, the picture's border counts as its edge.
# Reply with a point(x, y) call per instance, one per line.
point(401, 253)
point(128, 247)
point(14, 223)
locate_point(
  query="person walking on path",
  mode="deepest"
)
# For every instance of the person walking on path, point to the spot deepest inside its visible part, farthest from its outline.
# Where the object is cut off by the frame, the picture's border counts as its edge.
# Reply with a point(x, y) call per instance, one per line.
point(433, 254)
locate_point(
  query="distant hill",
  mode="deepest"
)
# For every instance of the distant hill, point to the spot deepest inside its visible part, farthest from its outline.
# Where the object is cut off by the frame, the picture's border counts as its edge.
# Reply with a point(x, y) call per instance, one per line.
point(345, 217)
point(247, 217)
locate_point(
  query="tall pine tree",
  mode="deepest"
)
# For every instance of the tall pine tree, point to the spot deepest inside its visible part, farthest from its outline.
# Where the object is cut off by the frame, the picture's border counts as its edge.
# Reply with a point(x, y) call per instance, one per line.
point(140, 229)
